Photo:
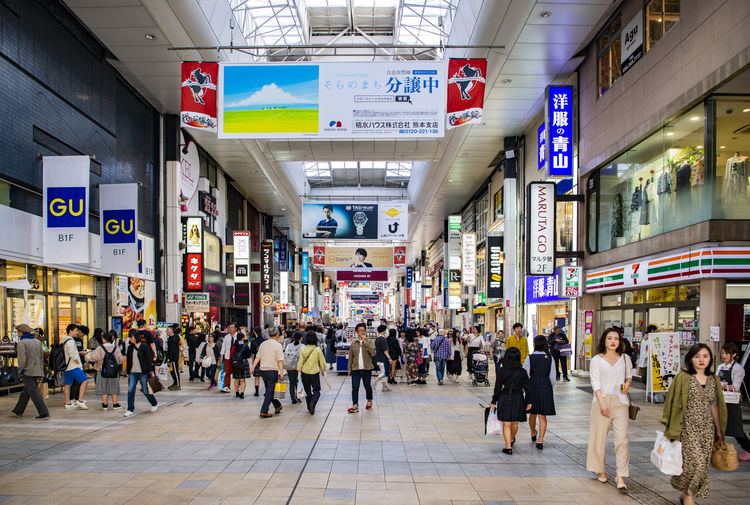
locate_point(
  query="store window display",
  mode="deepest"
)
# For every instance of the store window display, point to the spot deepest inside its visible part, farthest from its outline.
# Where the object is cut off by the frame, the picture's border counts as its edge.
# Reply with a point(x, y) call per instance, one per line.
point(732, 158)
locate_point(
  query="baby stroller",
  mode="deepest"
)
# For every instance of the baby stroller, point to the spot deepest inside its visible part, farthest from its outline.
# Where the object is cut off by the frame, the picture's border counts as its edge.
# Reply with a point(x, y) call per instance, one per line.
point(479, 361)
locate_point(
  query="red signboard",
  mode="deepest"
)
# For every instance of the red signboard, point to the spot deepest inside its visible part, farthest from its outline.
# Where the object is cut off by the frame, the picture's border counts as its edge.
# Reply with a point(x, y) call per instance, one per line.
point(198, 95)
point(194, 272)
point(399, 256)
point(319, 257)
point(358, 275)
point(466, 79)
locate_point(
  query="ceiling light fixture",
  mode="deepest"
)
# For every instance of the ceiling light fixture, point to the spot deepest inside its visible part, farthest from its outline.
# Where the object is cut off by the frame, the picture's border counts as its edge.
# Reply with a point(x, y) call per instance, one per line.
point(669, 134)
point(722, 147)
point(545, 14)
point(450, 180)
point(699, 147)
point(745, 110)
point(507, 81)
point(694, 118)
point(283, 208)
point(150, 36)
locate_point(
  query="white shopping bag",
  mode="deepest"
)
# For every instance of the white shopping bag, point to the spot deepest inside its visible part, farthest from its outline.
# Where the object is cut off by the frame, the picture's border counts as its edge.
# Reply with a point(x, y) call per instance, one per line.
point(163, 372)
point(300, 390)
point(494, 427)
point(667, 456)
point(731, 396)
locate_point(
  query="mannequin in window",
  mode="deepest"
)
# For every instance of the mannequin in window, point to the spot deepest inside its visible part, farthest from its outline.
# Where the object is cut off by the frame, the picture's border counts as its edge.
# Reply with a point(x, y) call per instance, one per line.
point(735, 176)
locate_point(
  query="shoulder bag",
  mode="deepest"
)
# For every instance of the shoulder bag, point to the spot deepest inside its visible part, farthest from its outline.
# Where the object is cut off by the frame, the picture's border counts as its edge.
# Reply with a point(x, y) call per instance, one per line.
point(632, 407)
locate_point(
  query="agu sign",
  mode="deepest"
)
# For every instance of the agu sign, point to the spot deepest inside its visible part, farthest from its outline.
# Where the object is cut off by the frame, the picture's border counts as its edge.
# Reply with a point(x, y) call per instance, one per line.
point(66, 209)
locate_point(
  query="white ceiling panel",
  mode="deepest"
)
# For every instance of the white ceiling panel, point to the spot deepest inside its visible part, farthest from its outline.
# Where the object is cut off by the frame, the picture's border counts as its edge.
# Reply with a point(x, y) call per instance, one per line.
point(557, 34)
point(114, 17)
point(543, 51)
point(533, 67)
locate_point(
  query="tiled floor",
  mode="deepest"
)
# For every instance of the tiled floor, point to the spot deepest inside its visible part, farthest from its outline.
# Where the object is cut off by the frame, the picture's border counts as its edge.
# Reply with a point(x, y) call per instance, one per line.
point(419, 445)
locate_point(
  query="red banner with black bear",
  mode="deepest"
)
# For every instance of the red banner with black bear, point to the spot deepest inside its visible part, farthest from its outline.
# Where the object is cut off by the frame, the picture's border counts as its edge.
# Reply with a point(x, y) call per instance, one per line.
point(466, 79)
point(198, 95)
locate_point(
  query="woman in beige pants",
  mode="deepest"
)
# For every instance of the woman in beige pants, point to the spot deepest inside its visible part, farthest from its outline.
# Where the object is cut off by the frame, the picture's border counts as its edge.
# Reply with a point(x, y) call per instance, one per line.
point(610, 378)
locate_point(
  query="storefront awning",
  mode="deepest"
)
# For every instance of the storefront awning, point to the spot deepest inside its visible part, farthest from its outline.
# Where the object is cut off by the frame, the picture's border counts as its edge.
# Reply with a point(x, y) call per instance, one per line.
point(480, 310)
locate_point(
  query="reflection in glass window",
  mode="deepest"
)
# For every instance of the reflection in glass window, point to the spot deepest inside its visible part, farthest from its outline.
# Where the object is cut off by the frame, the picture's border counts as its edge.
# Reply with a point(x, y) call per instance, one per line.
point(661, 16)
point(659, 295)
point(633, 297)
point(689, 292)
point(732, 158)
point(611, 300)
point(608, 54)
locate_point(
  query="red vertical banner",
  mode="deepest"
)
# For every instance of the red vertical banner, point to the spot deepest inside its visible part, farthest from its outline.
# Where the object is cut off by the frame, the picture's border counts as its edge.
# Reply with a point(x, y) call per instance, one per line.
point(319, 257)
point(399, 256)
point(194, 272)
point(466, 80)
point(198, 95)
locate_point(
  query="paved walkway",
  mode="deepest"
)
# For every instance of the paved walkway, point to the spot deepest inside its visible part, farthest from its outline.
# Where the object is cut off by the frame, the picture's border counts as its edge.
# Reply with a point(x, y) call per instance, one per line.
point(419, 445)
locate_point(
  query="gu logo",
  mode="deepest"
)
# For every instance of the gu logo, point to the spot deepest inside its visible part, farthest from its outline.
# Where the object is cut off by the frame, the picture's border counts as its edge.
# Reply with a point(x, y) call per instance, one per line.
point(66, 207)
point(119, 226)
point(140, 256)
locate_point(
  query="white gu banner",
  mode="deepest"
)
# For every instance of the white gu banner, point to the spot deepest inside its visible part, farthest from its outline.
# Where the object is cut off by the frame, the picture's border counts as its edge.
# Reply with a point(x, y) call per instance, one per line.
point(118, 227)
point(65, 213)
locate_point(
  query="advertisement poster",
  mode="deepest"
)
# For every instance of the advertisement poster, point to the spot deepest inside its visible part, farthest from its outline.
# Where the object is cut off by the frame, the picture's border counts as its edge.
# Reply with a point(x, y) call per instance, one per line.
point(198, 95)
point(66, 209)
point(319, 257)
point(466, 80)
point(399, 256)
point(194, 239)
point(664, 360)
point(375, 99)
point(393, 221)
point(631, 42)
point(189, 175)
point(305, 267)
point(345, 258)
point(118, 227)
point(340, 221)
point(134, 299)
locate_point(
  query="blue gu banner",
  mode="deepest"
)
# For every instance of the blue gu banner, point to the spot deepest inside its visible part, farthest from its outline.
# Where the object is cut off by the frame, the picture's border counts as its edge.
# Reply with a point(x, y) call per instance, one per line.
point(65, 213)
point(559, 135)
point(119, 228)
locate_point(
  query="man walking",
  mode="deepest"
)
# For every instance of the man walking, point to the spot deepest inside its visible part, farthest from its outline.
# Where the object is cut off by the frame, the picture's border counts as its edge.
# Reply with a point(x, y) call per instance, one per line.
point(226, 353)
point(441, 349)
point(383, 357)
point(360, 367)
point(556, 340)
point(73, 370)
point(192, 342)
point(518, 340)
point(270, 359)
point(174, 355)
point(31, 364)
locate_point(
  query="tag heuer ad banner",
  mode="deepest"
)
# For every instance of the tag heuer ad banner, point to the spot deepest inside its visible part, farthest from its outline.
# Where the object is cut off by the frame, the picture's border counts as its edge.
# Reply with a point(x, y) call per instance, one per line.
point(367, 221)
point(374, 99)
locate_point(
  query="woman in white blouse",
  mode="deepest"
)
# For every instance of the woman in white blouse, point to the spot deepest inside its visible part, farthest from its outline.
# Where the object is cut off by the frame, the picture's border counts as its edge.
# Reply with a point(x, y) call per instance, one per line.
point(610, 379)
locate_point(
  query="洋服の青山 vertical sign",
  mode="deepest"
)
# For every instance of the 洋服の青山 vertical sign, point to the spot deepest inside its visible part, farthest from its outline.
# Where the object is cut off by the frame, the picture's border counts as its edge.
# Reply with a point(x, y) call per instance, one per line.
point(198, 95)
point(266, 267)
point(541, 136)
point(466, 80)
point(559, 134)
point(118, 228)
point(540, 239)
point(66, 209)
point(495, 261)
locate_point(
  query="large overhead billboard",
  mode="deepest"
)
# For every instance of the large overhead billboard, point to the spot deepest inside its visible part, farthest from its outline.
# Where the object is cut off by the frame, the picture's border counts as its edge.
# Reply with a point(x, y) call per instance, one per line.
point(345, 258)
point(374, 99)
point(362, 220)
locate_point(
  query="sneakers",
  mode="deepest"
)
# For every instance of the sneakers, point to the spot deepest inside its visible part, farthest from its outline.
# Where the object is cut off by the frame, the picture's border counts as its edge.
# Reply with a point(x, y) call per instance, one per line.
point(14, 414)
point(745, 456)
point(104, 406)
point(69, 406)
point(128, 413)
point(226, 390)
point(116, 406)
point(154, 408)
point(81, 405)
point(174, 387)
point(42, 418)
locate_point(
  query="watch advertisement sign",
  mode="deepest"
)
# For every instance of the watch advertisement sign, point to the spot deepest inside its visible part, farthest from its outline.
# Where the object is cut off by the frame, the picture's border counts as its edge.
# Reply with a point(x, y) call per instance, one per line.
point(332, 100)
point(631, 42)
point(266, 267)
point(194, 238)
point(66, 209)
point(559, 134)
point(118, 227)
point(361, 220)
point(495, 260)
point(469, 258)
point(540, 243)
point(570, 281)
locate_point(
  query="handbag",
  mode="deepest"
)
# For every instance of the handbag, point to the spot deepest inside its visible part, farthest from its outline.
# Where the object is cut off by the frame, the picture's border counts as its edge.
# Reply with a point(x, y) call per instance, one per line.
point(724, 457)
point(632, 407)
point(565, 350)
point(300, 390)
point(153, 384)
point(666, 455)
point(731, 396)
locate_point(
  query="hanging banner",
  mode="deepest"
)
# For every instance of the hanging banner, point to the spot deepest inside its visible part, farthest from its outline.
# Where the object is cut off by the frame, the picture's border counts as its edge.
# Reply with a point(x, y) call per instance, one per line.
point(193, 272)
point(559, 133)
point(118, 227)
point(283, 288)
point(495, 260)
point(189, 175)
point(631, 42)
point(326, 283)
point(345, 258)
point(283, 255)
point(393, 221)
point(362, 275)
point(194, 238)
point(319, 257)
point(266, 267)
point(340, 221)
point(66, 209)
point(454, 242)
point(305, 297)
point(469, 258)
point(198, 95)
point(541, 143)
point(540, 241)
point(466, 80)
point(374, 99)
point(399, 256)
point(305, 267)
point(241, 257)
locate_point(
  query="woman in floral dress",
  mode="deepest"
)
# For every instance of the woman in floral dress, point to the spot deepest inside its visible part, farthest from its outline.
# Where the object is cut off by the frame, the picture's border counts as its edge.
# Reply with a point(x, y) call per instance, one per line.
point(695, 414)
point(411, 353)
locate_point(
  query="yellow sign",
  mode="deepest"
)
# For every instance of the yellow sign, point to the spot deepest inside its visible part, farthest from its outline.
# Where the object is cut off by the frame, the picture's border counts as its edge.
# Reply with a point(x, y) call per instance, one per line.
point(266, 300)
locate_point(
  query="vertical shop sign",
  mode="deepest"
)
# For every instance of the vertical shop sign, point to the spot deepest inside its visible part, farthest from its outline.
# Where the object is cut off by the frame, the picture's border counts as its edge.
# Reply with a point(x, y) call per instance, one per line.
point(466, 81)
point(409, 283)
point(495, 267)
point(189, 175)
point(570, 281)
point(283, 288)
point(469, 258)
point(631, 42)
point(266, 267)
point(588, 332)
point(194, 272)
point(305, 298)
point(194, 240)
point(66, 209)
point(454, 242)
point(541, 139)
point(319, 257)
point(118, 227)
point(454, 289)
point(326, 282)
point(198, 95)
point(327, 303)
point(241, 257)
point(399, 256)
point(305, 267)
point(559, 134)
point(540, 239)
point(283, 254)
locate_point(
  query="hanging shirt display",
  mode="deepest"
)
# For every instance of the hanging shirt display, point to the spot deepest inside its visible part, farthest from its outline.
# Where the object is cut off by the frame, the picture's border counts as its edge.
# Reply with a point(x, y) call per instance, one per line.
point(735, 175)
point(664, 183)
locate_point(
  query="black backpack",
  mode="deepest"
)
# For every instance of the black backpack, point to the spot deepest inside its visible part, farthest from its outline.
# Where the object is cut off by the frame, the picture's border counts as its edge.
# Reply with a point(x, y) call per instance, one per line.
point(57, 361)
point(236, 359)
point(110, 368)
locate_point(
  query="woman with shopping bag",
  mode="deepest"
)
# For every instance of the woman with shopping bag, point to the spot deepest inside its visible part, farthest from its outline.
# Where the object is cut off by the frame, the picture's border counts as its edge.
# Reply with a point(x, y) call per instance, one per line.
point(732, 374)
point(695, 414)
point(512, 396)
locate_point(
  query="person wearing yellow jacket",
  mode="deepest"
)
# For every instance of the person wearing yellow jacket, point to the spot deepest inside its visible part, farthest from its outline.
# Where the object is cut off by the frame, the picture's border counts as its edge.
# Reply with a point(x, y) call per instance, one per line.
point(517, 340)
point(696, 415)
point(310, 365)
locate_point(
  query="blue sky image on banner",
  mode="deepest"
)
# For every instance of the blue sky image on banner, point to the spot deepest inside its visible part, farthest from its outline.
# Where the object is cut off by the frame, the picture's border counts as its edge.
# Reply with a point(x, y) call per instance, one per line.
point(270, 99)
